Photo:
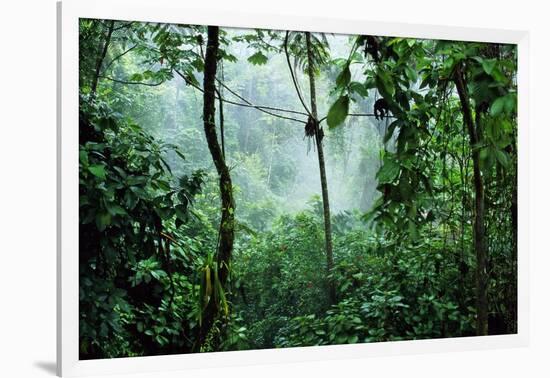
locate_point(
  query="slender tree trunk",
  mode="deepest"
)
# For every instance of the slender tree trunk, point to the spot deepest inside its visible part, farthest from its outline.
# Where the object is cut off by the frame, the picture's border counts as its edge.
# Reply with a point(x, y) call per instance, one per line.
point(480, 242)
point(462, 266)
point(322, 172)
point(227, 222)
point(101, 58)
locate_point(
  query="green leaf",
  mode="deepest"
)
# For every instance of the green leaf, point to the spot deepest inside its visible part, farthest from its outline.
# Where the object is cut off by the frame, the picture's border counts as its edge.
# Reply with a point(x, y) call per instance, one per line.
point(411, 74)
point(102, 220)
point(114, 209)
point(120, 172)
point(391, 129)
point(163, 185)
point(344, 77)
point(181, 211)
point(258, 58)
point(136, 180)
point(359, 88)
point(502, 158)
point(389, 171)
point(338, 112)
point(498, 106)
point(370, 83)
point(192, 79)
point(179, 153)
point(164, 212)
point(155, 274)
point(510, 103)
point(98, 170)
point(384, 84)
point(488, 65)
point(136, 77)
point(83, 157)
point(487, 155)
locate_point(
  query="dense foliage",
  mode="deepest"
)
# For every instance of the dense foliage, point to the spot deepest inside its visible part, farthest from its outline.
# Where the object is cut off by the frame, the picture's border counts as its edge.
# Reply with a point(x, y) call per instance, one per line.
point(413, 141)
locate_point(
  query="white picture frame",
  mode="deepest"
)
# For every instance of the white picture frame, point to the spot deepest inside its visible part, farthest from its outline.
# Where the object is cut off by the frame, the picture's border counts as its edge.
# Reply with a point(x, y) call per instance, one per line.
point(174, 11)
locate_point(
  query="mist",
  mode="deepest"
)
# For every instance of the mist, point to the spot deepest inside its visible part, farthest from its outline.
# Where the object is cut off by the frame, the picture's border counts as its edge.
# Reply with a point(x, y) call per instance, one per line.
point(272, 161)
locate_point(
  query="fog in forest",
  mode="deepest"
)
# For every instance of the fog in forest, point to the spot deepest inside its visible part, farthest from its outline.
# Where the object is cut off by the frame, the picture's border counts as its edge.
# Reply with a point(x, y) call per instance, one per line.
point(272, 161)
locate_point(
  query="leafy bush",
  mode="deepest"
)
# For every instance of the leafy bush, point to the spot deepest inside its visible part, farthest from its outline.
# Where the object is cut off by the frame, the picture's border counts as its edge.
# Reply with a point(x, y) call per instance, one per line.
point(130, 267)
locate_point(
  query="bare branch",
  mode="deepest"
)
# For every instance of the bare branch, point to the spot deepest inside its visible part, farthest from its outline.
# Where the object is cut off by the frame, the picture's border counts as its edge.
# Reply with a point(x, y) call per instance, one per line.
point(246, 105)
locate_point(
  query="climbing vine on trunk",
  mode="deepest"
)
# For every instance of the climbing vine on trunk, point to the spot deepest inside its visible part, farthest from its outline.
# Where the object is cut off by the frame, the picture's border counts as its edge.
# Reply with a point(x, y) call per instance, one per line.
point(212, 307)
point(480, 243)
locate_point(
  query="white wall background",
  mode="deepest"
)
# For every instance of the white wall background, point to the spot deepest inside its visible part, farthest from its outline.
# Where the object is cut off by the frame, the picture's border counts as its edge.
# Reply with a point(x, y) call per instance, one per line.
point(27, 187)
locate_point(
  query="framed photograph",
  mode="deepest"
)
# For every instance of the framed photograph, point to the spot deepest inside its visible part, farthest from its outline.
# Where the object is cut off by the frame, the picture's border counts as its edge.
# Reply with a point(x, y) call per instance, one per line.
point(253, 188)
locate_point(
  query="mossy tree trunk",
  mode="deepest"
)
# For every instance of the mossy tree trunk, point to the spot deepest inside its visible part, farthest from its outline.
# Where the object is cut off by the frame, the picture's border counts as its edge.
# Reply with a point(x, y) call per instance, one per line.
point(227, 222)
point(101, 58)
point(480, 242)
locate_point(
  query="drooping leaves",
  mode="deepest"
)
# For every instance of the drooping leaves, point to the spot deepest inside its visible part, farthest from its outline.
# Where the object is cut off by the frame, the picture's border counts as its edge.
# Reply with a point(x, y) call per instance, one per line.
point(338, 111)
point(258, 59)
point(389, 170)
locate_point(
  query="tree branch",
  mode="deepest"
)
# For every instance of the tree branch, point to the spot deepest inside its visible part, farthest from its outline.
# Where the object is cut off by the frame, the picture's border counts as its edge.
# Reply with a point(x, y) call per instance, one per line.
point(118, 57)
point(101, 58)
point(249, 105)
point(293, 76)
point(260, 107)
point(132, 82)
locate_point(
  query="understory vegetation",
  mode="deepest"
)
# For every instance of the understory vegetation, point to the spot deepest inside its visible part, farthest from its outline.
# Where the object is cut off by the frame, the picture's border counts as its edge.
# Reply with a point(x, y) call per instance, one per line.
point(248, 189)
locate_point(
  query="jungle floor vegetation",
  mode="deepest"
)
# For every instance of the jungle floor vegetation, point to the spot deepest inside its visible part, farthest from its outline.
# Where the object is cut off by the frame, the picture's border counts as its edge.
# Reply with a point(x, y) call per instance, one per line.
point(246, 189)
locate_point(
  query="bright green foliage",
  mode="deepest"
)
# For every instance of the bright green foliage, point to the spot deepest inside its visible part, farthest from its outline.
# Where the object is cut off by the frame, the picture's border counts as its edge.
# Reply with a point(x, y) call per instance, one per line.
point(128, 270)
point(258, 59)
point(401, 190)
point(338, 112)
point(386, 292)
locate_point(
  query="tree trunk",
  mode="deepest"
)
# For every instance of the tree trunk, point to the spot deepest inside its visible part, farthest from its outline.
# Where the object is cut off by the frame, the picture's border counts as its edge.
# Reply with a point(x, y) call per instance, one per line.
point(101, 58)
point(480, 243)
point(227, 222)
point(322, 172)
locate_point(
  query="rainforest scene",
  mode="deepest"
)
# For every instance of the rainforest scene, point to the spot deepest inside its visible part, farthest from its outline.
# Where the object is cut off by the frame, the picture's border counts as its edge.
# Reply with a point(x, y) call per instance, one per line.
point(249, 189)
